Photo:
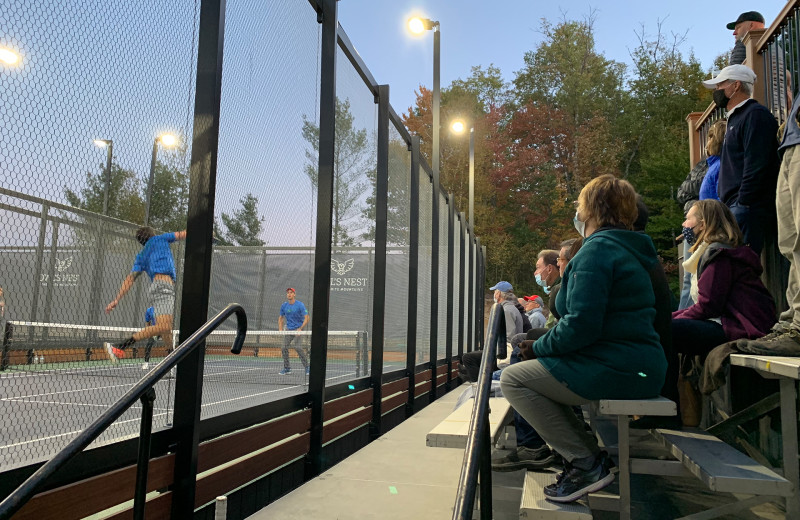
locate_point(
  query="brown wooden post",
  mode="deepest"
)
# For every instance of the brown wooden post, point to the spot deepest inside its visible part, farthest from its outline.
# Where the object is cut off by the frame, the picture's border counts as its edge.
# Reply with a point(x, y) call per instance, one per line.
point(695, 152)
point(755, 61)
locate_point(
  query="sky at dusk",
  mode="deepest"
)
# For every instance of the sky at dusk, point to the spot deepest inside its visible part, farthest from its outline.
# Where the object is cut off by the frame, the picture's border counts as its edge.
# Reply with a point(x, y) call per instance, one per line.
point(499, 32)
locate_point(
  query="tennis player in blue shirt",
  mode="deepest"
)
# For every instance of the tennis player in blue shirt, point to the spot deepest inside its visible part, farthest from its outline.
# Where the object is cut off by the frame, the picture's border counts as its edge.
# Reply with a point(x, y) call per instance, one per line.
point(294, 316)
point(156, 260)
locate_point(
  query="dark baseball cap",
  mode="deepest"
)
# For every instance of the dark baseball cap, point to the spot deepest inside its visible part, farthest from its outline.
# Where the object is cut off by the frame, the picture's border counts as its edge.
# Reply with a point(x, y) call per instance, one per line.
point(749, 16)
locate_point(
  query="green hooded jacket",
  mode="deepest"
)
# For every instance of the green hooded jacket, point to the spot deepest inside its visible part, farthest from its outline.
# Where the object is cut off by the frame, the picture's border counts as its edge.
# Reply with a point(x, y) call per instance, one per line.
point(605, 345)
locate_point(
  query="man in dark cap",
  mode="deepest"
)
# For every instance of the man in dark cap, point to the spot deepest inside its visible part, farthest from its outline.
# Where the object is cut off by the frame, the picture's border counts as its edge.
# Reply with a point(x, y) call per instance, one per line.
point(745, 23)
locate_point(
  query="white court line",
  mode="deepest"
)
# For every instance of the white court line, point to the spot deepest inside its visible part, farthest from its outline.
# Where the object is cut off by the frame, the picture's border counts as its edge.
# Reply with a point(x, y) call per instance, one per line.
point(268, 392)
point(62, 392)
point(19, 400)
point(42, 439)
point(157, 415)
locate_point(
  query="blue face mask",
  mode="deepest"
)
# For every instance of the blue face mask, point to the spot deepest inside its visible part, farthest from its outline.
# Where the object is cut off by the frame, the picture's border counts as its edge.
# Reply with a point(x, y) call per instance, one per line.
point(540, 281)
point(580, 226)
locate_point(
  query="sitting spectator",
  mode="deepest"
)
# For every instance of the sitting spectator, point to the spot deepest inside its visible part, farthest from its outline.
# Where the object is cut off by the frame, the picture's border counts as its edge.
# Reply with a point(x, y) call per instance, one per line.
point(706, 188)
point(732, 303)
point(604, 346)
point(533, 310)
point(471, 361)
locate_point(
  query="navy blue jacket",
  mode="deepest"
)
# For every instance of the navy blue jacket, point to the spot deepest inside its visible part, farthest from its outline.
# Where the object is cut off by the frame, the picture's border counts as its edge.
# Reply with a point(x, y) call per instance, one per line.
point(749, 167)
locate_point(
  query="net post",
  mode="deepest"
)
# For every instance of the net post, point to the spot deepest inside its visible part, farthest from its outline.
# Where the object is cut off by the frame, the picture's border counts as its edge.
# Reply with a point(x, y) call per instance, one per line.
point(221, 508)
point(8, 330)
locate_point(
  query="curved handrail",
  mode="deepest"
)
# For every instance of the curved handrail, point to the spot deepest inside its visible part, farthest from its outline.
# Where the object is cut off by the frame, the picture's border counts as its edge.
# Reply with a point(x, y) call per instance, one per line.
point(468, 481)
point(27, 489)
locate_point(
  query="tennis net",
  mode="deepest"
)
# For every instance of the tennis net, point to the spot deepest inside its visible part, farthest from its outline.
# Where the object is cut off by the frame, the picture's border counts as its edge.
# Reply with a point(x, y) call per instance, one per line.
point(40, 346)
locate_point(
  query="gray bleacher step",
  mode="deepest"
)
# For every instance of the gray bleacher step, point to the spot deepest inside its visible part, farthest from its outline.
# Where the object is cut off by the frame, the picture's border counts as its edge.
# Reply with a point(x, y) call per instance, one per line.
point(453, 431)
point(643, 444)
point(535, 506)
point(720, 466)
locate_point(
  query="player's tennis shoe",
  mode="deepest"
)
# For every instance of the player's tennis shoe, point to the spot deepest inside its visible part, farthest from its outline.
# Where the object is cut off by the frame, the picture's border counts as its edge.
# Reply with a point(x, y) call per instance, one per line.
point(146, 366)
point(112, 352)
point(285, 371)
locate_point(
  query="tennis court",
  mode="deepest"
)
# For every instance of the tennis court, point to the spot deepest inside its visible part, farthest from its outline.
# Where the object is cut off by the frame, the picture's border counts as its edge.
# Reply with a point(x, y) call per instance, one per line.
point(57, 379)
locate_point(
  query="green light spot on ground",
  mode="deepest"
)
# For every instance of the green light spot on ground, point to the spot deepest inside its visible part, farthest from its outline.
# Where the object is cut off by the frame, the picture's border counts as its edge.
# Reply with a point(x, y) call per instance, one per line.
point(392, 490)
point(642, 374)
point(351, 387)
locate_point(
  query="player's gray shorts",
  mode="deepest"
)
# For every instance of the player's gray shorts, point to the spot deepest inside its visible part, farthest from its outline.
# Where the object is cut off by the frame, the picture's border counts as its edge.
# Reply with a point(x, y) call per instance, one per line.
point(161, 297)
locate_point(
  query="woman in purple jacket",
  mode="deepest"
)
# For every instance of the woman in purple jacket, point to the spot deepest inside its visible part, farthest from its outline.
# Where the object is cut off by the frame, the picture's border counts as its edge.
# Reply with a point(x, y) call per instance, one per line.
point(732, 303)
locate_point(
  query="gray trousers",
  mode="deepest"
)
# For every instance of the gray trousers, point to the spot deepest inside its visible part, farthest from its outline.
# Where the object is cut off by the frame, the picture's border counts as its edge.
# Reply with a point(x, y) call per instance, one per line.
point(288, 339)
point(546, 404)
point(787, 201)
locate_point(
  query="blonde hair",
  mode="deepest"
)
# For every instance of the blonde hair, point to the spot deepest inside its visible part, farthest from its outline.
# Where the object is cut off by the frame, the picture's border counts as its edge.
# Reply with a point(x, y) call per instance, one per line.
point(610, 201)
point(717, 135)
point(719, 224)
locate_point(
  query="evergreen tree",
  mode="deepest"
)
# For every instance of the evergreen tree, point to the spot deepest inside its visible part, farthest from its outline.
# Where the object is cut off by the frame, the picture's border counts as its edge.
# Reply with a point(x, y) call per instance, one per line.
point(244, 227)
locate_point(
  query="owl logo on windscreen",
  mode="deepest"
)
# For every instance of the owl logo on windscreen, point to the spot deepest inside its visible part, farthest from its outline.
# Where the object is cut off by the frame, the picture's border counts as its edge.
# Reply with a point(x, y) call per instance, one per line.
point(341, 268)
point(63, 265)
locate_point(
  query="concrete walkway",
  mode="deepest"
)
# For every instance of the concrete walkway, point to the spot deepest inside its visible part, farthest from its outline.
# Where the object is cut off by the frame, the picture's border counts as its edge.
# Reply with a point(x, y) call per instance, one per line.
point(394, 477)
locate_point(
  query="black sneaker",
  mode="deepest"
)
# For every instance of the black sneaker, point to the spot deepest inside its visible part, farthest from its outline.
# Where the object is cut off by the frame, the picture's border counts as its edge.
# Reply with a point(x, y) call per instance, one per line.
point(574, 482)
point(526, 458)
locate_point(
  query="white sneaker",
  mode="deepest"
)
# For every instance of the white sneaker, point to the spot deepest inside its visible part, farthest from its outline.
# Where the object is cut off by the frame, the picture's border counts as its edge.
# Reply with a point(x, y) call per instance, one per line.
point(146, 366)
point(110, 349)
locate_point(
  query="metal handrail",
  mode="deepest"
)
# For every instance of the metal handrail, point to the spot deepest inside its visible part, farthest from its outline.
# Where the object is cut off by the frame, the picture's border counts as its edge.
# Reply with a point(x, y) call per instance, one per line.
point(142, 390)
point(477, 454)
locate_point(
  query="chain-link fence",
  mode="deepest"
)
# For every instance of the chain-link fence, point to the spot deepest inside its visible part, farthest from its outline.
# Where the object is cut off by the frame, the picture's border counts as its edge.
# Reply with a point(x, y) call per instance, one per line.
point(96, 136)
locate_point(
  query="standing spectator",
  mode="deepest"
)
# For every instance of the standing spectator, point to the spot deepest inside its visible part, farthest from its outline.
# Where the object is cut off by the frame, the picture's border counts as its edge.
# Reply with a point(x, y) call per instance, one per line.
point(2, 304)
point(533, 309)
point(749, 169)
point(788, 207)
point(745, 23)
point(293, 317)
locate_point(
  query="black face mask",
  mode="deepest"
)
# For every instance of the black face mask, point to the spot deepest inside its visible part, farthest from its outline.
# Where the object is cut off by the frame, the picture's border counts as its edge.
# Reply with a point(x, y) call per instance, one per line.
point(720, 98)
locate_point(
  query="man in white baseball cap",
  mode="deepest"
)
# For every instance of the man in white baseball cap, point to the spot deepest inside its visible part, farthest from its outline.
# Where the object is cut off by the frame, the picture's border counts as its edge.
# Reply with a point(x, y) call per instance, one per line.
point(749, 163)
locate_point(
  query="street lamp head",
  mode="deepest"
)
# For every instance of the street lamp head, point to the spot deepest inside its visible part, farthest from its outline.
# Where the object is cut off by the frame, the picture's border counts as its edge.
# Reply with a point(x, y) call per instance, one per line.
point(8, 56)
point(168, 140)
point(458, 127)
point(102, 143)
point(419, 25)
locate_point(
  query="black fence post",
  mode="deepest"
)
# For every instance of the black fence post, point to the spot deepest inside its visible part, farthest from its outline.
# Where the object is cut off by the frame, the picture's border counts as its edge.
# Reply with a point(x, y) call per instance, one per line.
point(413, 273)
point(434, 333)
point(451, 213)
point(379, 284)
point(481, 250)
point(470, 343)
point(197, 264)
point(462, 302)
point(322, 256)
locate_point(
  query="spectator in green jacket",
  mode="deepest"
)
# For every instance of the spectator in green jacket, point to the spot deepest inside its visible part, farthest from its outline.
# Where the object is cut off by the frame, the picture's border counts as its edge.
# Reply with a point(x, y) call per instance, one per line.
point(604, 346)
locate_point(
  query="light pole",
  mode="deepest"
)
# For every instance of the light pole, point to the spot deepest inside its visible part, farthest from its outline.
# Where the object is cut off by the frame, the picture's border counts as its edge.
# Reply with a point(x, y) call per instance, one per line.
point(168, 140)
point(418, 26)
point(459, 127)
point(108, 144)
point(8, 57)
